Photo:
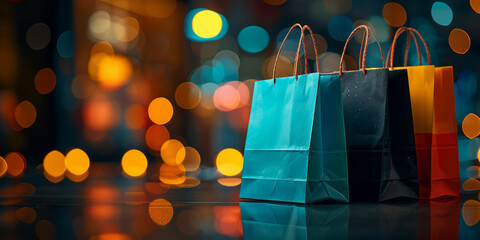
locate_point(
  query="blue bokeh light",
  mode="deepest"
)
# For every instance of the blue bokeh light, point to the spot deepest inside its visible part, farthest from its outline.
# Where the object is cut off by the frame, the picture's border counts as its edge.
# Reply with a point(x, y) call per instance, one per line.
point(253, 39)
point(442, 13)
point(65, 46)
point(340, 27)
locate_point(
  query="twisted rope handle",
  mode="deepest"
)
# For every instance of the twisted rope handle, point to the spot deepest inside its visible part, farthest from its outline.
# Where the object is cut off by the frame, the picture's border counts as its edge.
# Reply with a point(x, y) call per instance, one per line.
point(314, 47)
point(295, 65)
point(410, 32)
point(367, 31)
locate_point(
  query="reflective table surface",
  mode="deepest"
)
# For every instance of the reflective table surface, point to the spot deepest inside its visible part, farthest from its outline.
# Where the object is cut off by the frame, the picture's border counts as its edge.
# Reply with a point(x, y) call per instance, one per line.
point(117, 207)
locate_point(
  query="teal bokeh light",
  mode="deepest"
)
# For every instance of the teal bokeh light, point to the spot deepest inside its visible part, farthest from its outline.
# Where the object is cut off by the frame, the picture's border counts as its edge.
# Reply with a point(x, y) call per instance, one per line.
point(340, 27)
point(253, 39)
point(442, 13)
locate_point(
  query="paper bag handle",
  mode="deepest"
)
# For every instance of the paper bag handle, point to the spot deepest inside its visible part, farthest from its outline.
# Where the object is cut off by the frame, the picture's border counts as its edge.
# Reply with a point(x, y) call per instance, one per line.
point(367, 32)
point(412, 32)
point(314, 47)
point(296, 56)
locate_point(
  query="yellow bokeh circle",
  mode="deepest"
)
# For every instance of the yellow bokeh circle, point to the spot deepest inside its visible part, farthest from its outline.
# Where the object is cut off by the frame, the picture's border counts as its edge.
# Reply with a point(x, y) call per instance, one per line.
point(459, 41)
point(173, 152)
point(471, 125)
point(160, 110)
point(229, 162)
point(160, 211)
point(77, 162)
point(134, 163)
point(207, 24)
point(394, 14)
point(54, 164)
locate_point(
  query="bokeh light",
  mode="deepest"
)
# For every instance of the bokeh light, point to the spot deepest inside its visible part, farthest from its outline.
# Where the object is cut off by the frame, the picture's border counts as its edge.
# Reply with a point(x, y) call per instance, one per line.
point(156, 136)
point(471, 184)
point(284, 67)
point(160, 110)
point(45, 230)
point(127, 30)
point(459, 41)
point(338, 6)
point(340, 27)
point(65, 46)
point(26, 215)
point(471, 125)
point(53, 179)
point(102, 47)
point(229, 182)
point(54, 164)
point(226, 98)
point(173, 152)
point(188, 95)
point(205, 25)
point(442, 13)
point(114, 71)
point(77, 178)
point(192, 159)
point(475, 4)
point(38, 36)
point(16, 164)
point(100, 113)
point(229, 162)
point(134, 163)
point(228, 220)
point(394, 14)
point(253, 39)
point(99, 22)
point(135, 116)
point(77, 162)
point(383, 33)
point(160, 211)
point(25, 114)
point(24, 189)
point(3, 166)
point(471, 212)
point(320, 42)
point(172, 175)
point(45, 81)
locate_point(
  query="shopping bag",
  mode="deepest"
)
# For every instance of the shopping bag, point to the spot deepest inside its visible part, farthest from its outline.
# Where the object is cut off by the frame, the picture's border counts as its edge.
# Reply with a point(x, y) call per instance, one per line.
point(262, 220)
point(295, 146)
point(433, 109)
point(379, 132)
point(439, 219)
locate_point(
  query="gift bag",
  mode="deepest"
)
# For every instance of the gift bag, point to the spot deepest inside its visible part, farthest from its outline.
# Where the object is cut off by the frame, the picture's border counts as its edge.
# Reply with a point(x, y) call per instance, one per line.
point(261, 220)
point(295, 146)
point(433, 108)
point(379, 132)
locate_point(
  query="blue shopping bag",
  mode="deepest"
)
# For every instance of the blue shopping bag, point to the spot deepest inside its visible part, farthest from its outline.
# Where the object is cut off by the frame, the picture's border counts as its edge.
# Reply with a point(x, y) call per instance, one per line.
point(295, 148)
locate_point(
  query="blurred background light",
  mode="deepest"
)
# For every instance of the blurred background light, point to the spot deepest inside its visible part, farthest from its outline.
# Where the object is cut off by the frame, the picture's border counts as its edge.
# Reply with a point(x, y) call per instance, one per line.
point(134, 163)
point(160, 110)
point(172, 174)
point(459, 41)
point(160, 211)
point(340, 27)
point(77, 162)
point(136, 116)
point(54, 164)
point(229, 162)
point(16, 164)
point(173, 152)
point(205, 25)
point(3, 166)
point(25, 114)
point(114, 71)
point(45, 81)
point(192, 159)
point(253, 39)
point(188, 95)
point(471, 125)
point(156, 136)
point(394, 14)
point(338, 6)
point(160, 8)
point(26, 215)
point(475, 4)
point(65, 45)
point(442, 13)
point(38, 36)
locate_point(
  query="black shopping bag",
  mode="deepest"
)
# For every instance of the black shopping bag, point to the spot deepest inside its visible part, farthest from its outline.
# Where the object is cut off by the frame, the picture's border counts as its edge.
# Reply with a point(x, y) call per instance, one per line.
point(379, 132)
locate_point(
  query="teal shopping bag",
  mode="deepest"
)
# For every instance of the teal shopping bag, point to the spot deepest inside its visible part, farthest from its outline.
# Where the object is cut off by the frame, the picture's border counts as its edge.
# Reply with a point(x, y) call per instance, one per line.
point(295, 147)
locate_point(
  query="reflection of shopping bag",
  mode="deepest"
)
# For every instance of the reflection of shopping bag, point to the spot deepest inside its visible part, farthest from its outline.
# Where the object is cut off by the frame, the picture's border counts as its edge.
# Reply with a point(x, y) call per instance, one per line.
point(394, 220)
point(379, 132)
point(261, 220)
point(295, 147)
point(433, 108)
point(439, 219)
